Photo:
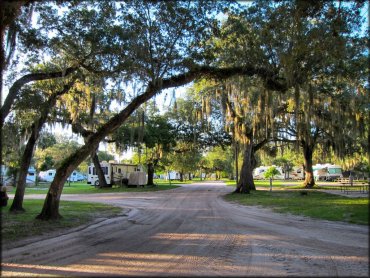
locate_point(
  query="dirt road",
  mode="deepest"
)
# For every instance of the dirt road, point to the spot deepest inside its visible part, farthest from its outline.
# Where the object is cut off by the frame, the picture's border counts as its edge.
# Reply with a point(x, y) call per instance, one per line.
point(192, 231)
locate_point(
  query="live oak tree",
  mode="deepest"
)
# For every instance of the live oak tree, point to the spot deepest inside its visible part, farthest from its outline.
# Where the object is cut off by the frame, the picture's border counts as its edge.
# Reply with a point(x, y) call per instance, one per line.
point(158, 44)
point(152, 42)
point(35, 129)
point(321, 54)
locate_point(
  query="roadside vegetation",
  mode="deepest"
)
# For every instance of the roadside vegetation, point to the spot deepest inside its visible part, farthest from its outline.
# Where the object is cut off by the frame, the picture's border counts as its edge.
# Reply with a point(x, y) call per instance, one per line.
point(21, 225)
point(315, 204)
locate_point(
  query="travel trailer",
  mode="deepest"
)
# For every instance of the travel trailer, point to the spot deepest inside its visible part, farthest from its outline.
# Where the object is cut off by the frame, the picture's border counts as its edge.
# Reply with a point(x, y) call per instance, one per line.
point(48, 176)
point(76, 176)
point(117, 173)
point(9, 180)
point(31, 175)
point(259, 172)
point(327, 172)
point(295, 173)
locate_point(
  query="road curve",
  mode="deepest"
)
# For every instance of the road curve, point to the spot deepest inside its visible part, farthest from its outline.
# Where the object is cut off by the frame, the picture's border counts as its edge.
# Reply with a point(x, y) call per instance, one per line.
point(192, 231)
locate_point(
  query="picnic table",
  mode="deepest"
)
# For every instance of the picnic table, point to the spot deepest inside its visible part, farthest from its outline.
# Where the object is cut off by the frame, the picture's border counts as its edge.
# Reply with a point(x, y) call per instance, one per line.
point(350, 185)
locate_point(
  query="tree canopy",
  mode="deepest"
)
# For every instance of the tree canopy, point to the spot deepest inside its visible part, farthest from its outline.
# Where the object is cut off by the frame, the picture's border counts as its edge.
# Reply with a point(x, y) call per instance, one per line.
point(290, 71)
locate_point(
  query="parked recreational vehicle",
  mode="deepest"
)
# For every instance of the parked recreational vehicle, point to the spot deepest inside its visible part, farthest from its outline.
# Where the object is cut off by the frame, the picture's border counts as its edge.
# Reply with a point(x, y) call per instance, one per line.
point(295, 173)
point(9, 180)
point(259, 172)
point(328, 172)
point(117, 173)
point(31, 175)
point(76, 176)
point(48, 176)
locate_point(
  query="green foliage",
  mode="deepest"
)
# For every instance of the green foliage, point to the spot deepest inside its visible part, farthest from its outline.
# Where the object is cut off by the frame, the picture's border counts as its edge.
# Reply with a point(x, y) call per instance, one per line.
point(271, 172)
point(46, 140)
point(105, 156)
point(53, 156)
point(184, 162)
point(219, 159)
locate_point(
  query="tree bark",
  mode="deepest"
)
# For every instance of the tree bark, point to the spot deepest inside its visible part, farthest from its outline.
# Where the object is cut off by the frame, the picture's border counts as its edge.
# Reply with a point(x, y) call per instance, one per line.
point(99, 170)
point(246, 183)
point(309, 180)
point(150, 173)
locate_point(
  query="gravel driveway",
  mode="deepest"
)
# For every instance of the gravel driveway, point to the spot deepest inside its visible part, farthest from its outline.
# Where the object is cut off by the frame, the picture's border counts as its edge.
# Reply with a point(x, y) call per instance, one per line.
point(191, 231)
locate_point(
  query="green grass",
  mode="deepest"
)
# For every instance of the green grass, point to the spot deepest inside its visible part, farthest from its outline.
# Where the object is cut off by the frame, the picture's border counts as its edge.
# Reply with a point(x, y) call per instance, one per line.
point(21, 225)
point(84, 188)
point(266, 183)
point(315, 204)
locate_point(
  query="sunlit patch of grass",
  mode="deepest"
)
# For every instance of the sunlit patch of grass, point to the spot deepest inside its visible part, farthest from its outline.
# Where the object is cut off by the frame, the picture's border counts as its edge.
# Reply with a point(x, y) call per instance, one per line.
point(84, 188)
point(20, 225)
point(312, 204)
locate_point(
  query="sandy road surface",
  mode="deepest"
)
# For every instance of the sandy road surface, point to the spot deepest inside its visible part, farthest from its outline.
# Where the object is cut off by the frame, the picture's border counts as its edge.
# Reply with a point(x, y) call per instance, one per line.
point(192, 231)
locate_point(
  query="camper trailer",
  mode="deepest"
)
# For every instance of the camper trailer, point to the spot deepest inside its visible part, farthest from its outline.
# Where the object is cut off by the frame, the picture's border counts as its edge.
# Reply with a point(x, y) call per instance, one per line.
point(296, 173)
point(117, 173)
point(259, 172)
point(31, 175)
point(9, 180)
point(327, 172)
point(76, 176)
point(48, 176)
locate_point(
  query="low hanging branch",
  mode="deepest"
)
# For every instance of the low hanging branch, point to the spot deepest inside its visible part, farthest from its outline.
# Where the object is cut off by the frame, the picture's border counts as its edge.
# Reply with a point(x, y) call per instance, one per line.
point(51, 205)
point(16, 87)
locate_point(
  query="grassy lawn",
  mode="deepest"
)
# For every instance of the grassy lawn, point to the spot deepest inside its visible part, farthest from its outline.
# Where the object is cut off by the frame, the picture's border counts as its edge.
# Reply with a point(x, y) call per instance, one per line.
point(84, 188)
point(18, 226)
point(315, 204)
point(266, 183)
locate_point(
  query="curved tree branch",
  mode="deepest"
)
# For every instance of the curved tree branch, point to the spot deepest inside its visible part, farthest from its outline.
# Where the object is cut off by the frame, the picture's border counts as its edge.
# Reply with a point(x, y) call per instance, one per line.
point(14, 90)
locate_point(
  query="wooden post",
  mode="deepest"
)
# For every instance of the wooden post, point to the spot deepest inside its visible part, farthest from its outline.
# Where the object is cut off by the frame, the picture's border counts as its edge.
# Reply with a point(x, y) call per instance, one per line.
point(270, 184)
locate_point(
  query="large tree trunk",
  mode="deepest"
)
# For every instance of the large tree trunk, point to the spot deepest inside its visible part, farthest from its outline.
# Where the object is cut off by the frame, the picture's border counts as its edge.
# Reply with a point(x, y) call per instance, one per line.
point(246, 183)
point(17, 205)
point(99, 170)
point(309, 181)
point(150, 174)
point(50, 210)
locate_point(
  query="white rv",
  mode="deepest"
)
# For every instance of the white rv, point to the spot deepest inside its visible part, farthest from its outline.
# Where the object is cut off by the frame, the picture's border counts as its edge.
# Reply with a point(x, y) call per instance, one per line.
point(48, 176)
point(76, 176)
point(259, 172)
point(117, 173)
point(296, 173)
point(8, 180)
point(31, 175)
point(327, 172)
